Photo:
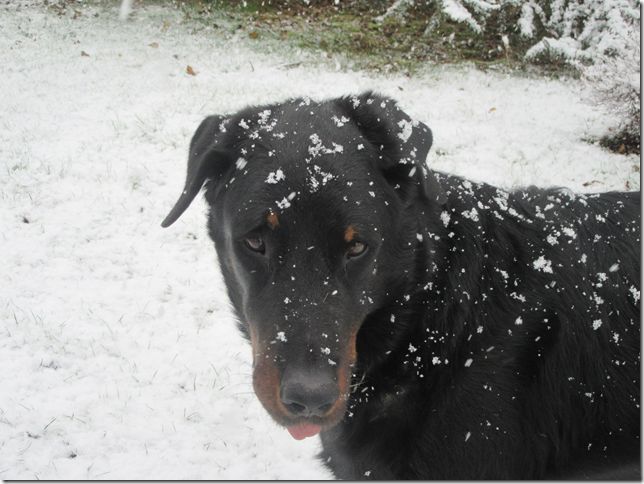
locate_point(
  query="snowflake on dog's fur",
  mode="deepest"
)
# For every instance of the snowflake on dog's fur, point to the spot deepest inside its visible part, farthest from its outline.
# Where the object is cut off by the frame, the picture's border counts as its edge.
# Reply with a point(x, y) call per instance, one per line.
point(275, 176)
point(635, 293)
point(542, 264)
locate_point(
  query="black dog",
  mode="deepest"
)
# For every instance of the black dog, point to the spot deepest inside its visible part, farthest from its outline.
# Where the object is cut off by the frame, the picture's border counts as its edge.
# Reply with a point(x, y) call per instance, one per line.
point(427, 326)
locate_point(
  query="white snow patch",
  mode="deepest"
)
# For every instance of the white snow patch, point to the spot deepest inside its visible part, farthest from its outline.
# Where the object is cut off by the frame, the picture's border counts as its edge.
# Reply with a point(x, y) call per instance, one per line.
point(454, 10)
point(526, 20)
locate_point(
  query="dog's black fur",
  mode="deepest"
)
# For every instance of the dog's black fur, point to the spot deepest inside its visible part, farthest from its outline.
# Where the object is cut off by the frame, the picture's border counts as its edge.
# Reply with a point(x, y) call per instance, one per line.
point(498, 333)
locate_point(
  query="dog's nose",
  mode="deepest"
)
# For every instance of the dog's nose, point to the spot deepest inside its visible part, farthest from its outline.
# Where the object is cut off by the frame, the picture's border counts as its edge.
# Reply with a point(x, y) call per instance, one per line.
point(307, 394)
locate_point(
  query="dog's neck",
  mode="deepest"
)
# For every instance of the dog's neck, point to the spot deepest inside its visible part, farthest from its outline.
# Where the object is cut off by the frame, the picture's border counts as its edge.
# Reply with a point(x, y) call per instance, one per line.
point(395, 343)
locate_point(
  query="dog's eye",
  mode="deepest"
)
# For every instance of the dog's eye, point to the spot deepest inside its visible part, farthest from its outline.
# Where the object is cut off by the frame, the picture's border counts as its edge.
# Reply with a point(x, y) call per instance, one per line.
point(356, 249)
point(256, 244)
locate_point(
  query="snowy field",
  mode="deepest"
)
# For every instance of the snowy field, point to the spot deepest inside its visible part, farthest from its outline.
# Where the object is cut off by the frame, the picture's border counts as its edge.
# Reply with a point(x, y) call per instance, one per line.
point(119, 358)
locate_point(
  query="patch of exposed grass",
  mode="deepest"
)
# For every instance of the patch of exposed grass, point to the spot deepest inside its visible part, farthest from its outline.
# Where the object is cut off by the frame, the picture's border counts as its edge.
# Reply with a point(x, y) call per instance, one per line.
point(399, 43)
point(623, 142)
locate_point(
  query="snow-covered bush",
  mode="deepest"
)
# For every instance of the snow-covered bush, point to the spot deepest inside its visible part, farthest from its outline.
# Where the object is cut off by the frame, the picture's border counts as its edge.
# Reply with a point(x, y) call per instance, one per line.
point(571, 30)
point(579, 29)
point(600, 38)
point(614, 81)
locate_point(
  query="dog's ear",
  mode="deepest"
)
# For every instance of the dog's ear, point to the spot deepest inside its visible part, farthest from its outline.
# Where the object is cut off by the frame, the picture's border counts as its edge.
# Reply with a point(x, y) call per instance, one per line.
point(403, 144)
point(206, 160)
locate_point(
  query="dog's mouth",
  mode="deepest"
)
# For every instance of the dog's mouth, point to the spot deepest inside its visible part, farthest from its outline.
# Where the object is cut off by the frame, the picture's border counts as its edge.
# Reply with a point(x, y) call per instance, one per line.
point(301, 429)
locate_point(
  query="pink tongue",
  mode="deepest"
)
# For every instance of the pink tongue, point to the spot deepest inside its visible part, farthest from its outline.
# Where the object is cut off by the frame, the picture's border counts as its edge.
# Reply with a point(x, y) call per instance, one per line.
point(302, 431)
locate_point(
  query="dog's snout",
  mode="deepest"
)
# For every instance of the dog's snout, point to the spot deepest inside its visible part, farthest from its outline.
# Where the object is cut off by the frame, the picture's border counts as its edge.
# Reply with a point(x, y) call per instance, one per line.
point(308, 394)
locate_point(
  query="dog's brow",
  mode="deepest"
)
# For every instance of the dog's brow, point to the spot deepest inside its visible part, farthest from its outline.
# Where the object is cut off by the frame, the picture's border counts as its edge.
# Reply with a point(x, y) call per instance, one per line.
point(273, 221)
point(350, 233)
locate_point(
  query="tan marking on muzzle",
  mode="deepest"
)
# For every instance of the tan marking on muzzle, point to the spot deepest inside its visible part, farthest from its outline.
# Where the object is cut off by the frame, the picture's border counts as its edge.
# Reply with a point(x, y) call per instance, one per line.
point(344, 378)
point(273, 221)
point(266, 381)
point(350, 233)
point(266, 378)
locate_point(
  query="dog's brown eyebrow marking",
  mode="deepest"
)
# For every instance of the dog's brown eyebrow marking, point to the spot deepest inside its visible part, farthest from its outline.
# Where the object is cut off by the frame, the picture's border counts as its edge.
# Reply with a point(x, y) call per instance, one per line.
point(273, 221)
point(350, 233)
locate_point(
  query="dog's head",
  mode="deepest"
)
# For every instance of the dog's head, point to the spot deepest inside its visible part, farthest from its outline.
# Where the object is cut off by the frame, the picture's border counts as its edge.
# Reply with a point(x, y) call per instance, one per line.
point(309, 213)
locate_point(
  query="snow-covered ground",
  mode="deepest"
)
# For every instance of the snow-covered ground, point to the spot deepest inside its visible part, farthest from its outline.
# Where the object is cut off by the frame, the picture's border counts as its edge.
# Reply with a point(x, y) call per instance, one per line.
point(118, 354)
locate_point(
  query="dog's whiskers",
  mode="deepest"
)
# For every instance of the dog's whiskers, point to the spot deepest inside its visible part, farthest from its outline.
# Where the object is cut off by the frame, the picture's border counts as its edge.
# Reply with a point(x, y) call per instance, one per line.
point(354, 386)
